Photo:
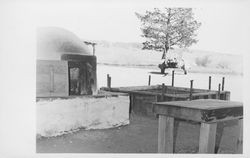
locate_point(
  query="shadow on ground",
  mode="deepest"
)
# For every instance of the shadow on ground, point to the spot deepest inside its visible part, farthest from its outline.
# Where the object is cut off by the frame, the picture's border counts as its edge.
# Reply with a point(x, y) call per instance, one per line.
point(140, 136)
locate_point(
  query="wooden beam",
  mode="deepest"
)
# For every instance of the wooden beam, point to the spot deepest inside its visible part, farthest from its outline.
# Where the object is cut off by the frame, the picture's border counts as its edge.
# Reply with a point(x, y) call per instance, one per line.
point(158, 87)
point(207, 138)
point(203, 94)
point(165, 134)
point(156, 90)
point(134, 88)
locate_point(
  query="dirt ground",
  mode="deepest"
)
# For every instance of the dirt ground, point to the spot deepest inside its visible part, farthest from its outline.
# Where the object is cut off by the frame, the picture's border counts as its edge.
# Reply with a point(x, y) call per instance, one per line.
point(140, 136)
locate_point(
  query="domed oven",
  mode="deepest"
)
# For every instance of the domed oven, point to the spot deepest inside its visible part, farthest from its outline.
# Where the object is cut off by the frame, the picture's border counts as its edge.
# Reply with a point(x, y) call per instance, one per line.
point(65, 65)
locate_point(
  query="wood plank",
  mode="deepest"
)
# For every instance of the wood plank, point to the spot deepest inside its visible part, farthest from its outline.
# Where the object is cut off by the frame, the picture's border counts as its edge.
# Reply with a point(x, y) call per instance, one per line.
point(176, 129)
point(180, 92)
point(210, 96)
point(170, 135)
point(162, 133)
point(227, 96)
point(219, 134)
point(132, 88)
point(176, 112)
point(201, 96)
point(203, 110)
point(207, 138)
point(165, 134)
point(205, 104)
point(204, 93)
point(52, 78)
point(239, 147)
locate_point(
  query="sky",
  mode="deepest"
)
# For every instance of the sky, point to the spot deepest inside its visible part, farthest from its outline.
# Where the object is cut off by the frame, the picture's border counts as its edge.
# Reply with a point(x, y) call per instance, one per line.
point(224, 29)
point(224, 24)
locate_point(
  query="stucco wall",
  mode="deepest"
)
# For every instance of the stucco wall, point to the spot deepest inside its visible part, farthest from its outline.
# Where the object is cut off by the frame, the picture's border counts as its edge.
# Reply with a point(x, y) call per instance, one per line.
point(61, 116)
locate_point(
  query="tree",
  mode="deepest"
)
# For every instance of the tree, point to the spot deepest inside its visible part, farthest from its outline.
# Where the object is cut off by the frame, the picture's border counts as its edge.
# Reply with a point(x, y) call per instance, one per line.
point(167, 28)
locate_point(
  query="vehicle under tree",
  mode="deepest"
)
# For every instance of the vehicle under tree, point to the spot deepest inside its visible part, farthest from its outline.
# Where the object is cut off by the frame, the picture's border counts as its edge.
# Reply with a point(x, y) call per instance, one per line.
point(167, 29)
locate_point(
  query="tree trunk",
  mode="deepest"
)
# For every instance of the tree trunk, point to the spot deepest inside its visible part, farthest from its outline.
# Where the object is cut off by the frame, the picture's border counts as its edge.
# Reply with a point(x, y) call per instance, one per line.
point(166, 48)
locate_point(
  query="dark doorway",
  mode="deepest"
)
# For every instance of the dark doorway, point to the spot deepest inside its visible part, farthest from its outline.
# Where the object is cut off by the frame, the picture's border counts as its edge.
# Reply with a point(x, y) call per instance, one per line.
point(79, 78)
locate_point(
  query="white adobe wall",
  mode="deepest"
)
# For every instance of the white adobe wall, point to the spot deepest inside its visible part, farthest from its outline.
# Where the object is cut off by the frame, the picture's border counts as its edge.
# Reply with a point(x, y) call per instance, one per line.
point(64, 115)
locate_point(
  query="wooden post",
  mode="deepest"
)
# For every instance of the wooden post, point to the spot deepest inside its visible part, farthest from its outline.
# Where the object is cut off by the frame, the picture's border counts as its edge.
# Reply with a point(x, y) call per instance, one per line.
point(93, 45)
point(191, 89)
point(173, 78)
point(207, 137)
point(108, 80)
point(165, 134)
point(218, 92)
point(223, 82)
point(176, 129)
point(219, 134)
point(239, 147)
point(149, 80)
point(209, 83)
point(162, 92)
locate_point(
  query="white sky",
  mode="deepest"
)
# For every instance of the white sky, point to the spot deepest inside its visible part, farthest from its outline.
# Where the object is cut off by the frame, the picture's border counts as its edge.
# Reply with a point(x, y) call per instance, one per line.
point(224, 29)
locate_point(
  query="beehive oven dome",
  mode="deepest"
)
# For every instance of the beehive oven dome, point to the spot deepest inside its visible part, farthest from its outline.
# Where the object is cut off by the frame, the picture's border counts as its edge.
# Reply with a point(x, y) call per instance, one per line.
point(52, 42)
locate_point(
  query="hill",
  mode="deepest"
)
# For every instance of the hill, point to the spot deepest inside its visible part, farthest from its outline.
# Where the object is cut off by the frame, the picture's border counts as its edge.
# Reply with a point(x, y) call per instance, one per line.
point(131, 54)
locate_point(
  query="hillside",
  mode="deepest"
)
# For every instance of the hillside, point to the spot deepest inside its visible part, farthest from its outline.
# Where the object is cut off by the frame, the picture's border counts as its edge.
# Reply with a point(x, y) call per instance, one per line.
point(131, 54)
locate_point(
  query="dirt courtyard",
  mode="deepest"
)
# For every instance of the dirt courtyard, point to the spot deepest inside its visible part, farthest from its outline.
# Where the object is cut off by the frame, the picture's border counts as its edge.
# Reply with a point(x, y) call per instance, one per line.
point(140, 136)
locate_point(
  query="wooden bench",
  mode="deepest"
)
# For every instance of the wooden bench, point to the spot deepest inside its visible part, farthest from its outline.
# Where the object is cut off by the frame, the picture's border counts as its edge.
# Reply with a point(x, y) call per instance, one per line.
point(207, 112)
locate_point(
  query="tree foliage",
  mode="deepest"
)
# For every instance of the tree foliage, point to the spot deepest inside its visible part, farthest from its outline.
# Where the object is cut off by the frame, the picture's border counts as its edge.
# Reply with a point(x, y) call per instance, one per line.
point(167, 28)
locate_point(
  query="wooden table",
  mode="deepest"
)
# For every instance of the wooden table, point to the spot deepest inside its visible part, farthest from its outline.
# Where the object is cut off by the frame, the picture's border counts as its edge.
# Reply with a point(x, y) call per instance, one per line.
point(207, 112)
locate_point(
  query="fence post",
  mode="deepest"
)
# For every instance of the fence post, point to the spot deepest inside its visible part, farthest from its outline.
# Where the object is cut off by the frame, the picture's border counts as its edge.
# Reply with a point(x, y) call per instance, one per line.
point(191, 89)
point(149, 80)
point(107, 80)
point(219, 91)
point(209, 83)
point(173, 78)
point(162, 92)
point(223, 82)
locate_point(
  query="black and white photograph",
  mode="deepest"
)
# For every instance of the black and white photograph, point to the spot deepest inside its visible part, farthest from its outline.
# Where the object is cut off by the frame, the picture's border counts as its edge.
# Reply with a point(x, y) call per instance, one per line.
point(167, 78)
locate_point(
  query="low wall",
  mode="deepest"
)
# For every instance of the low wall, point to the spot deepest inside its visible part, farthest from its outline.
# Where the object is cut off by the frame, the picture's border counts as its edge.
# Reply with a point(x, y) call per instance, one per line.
point(58, 116)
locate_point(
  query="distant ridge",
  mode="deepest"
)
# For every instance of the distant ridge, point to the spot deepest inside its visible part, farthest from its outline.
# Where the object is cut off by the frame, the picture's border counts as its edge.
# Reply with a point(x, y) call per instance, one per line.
point(131, 54)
